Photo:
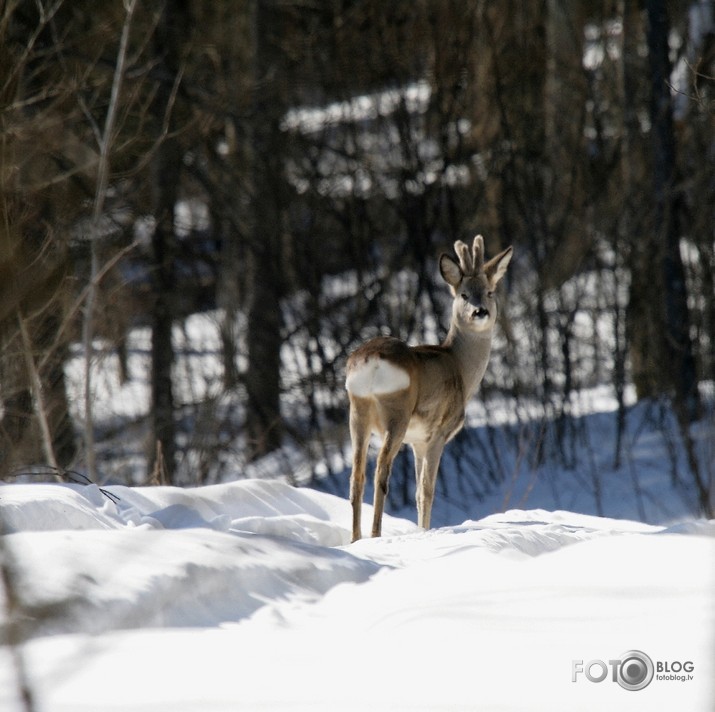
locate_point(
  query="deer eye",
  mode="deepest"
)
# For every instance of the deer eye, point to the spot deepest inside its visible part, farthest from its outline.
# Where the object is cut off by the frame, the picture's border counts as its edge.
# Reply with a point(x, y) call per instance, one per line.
point(464, 296)
point(490, 294)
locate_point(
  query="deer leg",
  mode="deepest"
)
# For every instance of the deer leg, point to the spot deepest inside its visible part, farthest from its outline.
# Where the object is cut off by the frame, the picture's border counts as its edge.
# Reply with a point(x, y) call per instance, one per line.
point(428, 477)
point(389, 449)
point(419, 454)
point(360, 437)
point(419, 464)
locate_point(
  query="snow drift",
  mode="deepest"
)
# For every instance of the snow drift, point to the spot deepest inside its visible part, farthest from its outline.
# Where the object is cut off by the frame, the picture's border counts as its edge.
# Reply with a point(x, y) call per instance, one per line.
point(247, 596)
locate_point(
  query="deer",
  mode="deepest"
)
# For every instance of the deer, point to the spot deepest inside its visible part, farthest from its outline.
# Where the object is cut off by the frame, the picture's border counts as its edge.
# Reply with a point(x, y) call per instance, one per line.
point(418, 394)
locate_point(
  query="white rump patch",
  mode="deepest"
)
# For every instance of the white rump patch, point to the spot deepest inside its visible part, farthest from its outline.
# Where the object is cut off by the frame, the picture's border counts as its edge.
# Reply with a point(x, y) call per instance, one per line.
point(376, 377)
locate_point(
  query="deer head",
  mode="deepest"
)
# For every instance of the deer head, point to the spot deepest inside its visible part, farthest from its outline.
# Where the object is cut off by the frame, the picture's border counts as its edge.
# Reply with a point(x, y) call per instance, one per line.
point(473, 283)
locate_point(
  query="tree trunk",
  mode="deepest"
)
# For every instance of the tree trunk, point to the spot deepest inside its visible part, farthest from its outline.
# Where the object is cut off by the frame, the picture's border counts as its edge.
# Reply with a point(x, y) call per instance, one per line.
point(162, 318)
point(263, 418)
point(565, 108)
point(642, 324)
point(170, 35)
point(679, 366)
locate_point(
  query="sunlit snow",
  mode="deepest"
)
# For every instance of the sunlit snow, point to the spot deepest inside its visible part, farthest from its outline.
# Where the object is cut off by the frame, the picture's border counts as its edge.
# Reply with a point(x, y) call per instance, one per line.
point(247, 596)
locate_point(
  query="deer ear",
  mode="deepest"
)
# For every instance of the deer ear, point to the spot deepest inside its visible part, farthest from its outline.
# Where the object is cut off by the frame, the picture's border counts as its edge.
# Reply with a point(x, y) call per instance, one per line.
point(495, 269)
point(450, 270)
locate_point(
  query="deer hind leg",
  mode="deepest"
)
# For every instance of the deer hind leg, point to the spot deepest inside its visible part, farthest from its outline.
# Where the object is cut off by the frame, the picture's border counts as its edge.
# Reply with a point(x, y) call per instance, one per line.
point(360, 437)
point(394, 434)
point(426, 482)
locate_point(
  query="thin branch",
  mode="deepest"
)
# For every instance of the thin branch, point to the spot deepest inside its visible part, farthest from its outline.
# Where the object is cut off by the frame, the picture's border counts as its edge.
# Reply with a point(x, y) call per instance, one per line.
point(71, 476)
point(46, 16)
point(82, 298)
point(100, 194)
point(40, 410)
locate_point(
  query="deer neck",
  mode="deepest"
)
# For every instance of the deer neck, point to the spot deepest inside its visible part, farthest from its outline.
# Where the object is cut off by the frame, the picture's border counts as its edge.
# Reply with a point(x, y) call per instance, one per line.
point(471, 352)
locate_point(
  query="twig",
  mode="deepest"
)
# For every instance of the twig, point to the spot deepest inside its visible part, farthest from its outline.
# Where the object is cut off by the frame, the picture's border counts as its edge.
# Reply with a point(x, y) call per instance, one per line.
point(105, 142)
point(71, 476)
point(77, 305)
point(37, 390)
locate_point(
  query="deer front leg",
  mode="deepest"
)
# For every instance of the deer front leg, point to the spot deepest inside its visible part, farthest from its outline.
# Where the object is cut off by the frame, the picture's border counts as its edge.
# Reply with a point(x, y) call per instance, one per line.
point(426, 484)
point(419, 464)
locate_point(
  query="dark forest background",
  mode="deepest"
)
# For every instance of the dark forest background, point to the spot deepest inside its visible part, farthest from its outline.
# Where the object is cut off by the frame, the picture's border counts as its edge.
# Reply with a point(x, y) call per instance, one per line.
point(323, 155)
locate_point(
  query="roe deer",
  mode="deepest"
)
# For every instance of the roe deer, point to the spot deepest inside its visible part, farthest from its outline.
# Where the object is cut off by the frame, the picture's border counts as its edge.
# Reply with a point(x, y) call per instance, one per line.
point(418, 394)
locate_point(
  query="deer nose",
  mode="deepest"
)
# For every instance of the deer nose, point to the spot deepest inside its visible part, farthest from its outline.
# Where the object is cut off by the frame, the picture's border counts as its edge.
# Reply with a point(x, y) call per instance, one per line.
point(480, 313)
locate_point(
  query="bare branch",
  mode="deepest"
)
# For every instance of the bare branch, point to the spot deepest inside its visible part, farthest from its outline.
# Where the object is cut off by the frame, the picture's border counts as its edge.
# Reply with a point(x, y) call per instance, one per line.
point(40, 409)
point(100, 194)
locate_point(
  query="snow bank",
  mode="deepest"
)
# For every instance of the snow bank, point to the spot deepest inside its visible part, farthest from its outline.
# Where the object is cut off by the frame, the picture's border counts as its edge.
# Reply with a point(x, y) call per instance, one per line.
point(172, 557)
point(267, 507)
point(247, 597)
point(70, 582)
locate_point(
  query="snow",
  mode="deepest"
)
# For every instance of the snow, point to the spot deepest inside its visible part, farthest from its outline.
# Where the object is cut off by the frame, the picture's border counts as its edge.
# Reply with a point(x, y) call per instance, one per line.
point(248, 596)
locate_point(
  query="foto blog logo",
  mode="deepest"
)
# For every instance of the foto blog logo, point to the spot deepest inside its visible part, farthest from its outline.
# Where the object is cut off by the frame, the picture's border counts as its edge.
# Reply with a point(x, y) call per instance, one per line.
point(634, 670)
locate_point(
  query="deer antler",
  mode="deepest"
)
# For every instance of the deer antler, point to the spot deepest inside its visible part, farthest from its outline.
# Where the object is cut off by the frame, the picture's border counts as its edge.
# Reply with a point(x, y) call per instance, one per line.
point(478, 253)
point(470, 262)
